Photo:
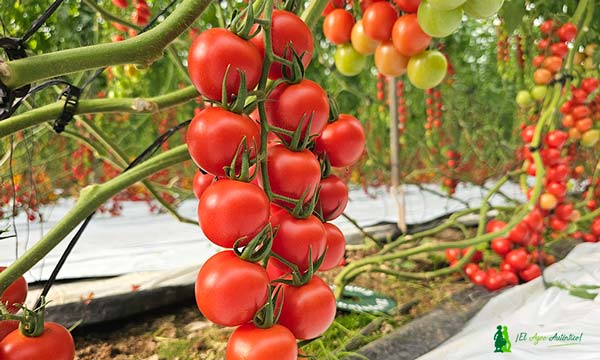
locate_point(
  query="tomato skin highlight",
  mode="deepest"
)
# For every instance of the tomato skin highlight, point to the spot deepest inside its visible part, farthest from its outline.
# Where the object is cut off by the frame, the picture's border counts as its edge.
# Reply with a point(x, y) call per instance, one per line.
point(296, 238)
point(225, 219)
point(342, 140)
point(408, 37)
point(210, 54)
point(288, 105)
point(292, 173)
point(337, 26)
point(336, 247)
point(216, 128)
point(16, 293)
point(249, 342)
point(55, 343)
point(307, 310)
point(229, 291)
point(286, 27)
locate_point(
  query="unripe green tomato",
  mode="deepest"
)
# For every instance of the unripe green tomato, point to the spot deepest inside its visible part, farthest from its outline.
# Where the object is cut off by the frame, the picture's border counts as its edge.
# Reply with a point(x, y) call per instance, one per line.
point(427, 69)
point(438, 23)
point(539, 92)
point(482, 9)
point(590, 138)
point(524, 98)
point(348, 61)
point(445, 5)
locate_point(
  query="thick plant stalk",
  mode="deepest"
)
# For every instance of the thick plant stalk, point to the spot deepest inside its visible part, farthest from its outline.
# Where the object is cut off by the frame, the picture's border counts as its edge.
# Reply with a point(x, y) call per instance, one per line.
point(90, 199)
point(143, 49)
point(124, 105)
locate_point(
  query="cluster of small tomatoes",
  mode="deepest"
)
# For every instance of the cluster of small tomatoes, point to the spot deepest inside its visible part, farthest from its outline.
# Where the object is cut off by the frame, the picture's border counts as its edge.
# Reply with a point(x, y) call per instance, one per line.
point(54, 341)
point(453, 160)
point(141, 13)
point(553, 48)
point(273, 221)
point(582, 111)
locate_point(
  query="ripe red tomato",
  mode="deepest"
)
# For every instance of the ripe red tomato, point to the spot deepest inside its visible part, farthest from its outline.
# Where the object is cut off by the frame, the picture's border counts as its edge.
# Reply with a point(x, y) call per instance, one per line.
point(332, 5)
point(517, 259)
point(409, 6)
point(559, 49)
point(470, 269)
point(556, 139)
point(389, 61)
point(249, 342)
point(201, 182)
point(342, 140)
point(337, 26)
point(297, 238)
point(212, 52)
point(231, 210)
point(16, 293)
point(378, 20)
point(564, 211)
point(567, 32)
point(479, 277)
point(7, 326)
point(477, 255)
point(307, 310)
point(55, 343)
point(527, 133)
point(494, 281)
point(333, 197)
point(292, 173)
point(336, 247)
point(494, 225)
point(216, 128)
point(286, 28)
point(547, 26)
point(589, 84)
point(557, 173)
point(408, 37)
point(509, 277)
point(504, 266)
point(530, 272)
point(288, 105)
point(123, 4)
point(595, 228)
point(519, 234)
point(552, 63)
point(219, 284)
point(501, 246)
point(274, 270)
point(557, 224)
point(453, 254)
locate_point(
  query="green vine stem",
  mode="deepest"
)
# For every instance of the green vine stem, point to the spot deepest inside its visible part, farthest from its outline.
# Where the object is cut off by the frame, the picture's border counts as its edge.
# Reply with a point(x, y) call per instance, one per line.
point(142, 49)
point(312, 13)
point(123, 105)
point(90, 199)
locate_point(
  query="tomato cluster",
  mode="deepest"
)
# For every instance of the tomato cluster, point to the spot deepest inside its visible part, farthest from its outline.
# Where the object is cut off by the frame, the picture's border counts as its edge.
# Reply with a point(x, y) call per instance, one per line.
point(53, 341)
point(139, 16)
point(277, 216)
point(582, 112)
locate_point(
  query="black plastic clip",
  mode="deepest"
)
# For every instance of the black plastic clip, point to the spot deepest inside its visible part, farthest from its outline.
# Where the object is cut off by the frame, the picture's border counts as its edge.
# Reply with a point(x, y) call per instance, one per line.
point(71, 95)
point(14, 50)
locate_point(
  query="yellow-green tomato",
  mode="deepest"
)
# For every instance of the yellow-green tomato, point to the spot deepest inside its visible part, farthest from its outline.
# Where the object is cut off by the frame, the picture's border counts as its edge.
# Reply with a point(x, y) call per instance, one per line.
point(590, 138)
point(438, 23)
point(427, 69)
point(445, 5)
point(482, 9)
point(524, 98)
point(539, 92)
point(361, 41)
point(348, 61)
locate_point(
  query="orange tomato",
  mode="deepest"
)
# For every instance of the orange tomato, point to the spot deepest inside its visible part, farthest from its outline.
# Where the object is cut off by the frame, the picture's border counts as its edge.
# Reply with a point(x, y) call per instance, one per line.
point(542, 76)
point(389, 61)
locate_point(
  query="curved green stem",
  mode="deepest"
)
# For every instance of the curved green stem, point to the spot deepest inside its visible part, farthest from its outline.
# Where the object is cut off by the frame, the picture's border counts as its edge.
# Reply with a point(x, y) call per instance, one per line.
point(142, 49)
point(124, 105)
point(91, 198)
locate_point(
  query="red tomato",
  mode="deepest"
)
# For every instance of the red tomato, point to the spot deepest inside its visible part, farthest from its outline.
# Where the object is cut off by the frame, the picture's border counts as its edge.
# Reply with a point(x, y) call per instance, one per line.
point(470, 269)
point(212, 52)
point(558, 224)
point(408, 37)
point(501, 246)
point(293, 173)
point(509, 277)
point(342, 140)
point(519, 234)
point(564, 211)
point(530, 272)
point(275, 270)
point(332, 5)
point(249, 342)
point(409, 6)
point(16, 293)
point(307, 310)
point(556, 139)
point(123, 4)
point(558, 173)
point(589, 84)
point(378, 20)
point(504, 266)
point(595, 228)
point(286, 28)
point(453, 255)
point(216, 128)
point(7, 326)
point(296, 238)
point(221, 281)
point(559, 49)
point(333, 197)
point(479, 277)
point(517, 258)
point(337, 26)
point(231, 210)
point(494, 225)
point(306, 102)
point(535, 220)
point(552, 63)
point(527, 133)
point(567, 32)
point(477, 255)
point(546, 26)
point(336, 247)
point(201, 182)
point(55, 343)
point(494, 282)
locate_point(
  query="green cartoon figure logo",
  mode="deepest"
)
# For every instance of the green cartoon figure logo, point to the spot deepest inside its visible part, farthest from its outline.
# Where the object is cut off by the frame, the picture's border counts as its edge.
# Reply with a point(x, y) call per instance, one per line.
point(501, 339)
